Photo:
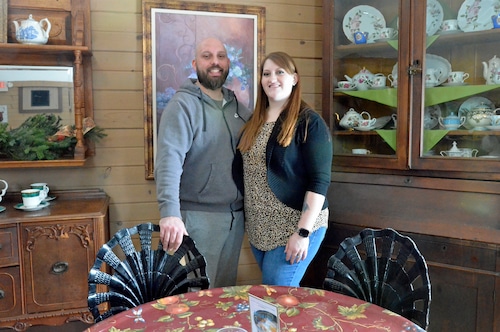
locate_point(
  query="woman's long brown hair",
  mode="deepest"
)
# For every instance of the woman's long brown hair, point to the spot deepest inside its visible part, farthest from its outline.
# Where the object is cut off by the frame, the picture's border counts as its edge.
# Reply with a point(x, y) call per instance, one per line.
point(290, 112)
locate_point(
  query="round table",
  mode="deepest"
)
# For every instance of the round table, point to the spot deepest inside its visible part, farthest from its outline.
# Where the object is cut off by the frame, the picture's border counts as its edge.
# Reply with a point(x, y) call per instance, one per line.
point(300, 309)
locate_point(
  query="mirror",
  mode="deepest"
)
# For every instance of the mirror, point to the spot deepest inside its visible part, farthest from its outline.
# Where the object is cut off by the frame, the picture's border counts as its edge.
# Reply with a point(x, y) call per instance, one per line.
point(29, 90)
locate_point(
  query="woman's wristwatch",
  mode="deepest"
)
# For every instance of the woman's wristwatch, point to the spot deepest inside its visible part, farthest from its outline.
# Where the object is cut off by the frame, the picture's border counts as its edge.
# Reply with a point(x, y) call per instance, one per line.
point(303, 232)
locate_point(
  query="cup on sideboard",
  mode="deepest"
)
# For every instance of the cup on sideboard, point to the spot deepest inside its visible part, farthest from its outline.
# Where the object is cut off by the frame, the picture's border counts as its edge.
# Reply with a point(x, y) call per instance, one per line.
point(31, 197)
point(4, 190)
point(43, 187)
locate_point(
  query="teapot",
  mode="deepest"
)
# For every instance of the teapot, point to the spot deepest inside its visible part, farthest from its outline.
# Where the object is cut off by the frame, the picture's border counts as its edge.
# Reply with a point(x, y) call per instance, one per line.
point(363, 79)
point(453, 152)
point(480, 116)
point(491, 71)
point(31, 31)
point(452, 121)
point(353, 119)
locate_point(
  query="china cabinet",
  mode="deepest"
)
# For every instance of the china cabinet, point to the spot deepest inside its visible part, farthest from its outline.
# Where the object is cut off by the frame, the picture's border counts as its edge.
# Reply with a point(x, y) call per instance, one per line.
point(69, 45)
point(45, 257)
point(439, 69)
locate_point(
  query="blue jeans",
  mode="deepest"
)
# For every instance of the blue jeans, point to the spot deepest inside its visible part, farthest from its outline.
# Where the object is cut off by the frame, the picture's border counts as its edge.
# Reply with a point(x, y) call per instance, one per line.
point(277, 271)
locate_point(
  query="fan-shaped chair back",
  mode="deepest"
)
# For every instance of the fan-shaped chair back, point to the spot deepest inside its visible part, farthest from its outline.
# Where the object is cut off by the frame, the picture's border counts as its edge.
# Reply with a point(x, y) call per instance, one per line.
point(144, 274)
point(385, 268)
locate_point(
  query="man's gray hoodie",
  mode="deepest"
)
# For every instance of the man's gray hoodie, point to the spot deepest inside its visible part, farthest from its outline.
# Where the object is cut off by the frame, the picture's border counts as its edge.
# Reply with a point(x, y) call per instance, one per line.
point(195, 152)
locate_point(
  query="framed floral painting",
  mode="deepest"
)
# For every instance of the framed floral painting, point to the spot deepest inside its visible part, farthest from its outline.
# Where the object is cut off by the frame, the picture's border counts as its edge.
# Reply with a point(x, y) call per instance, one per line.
point(171, 31)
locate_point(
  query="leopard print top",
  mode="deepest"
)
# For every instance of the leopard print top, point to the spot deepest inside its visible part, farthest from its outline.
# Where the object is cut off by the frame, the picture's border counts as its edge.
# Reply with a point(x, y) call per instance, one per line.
point(269, 222)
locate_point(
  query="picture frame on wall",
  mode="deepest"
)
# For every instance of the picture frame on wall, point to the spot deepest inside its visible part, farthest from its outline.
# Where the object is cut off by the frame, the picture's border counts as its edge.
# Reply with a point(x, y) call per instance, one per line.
point(171, 31)
point(4, 4)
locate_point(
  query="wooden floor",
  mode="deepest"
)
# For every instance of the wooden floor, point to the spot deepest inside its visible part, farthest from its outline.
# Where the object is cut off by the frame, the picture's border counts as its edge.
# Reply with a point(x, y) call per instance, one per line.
point(70, 327)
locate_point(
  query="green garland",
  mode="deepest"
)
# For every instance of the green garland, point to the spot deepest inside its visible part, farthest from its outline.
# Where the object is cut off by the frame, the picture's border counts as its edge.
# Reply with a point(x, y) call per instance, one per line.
point(34, 139)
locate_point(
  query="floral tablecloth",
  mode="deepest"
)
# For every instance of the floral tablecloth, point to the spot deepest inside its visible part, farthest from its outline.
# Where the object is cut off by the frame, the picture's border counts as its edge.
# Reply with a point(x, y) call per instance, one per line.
point(300, 309)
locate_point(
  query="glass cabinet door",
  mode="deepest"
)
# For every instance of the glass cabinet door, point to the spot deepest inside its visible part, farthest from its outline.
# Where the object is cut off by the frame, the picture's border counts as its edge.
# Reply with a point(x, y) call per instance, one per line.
point(459, 122)
point(439, 111)
point(364, 79)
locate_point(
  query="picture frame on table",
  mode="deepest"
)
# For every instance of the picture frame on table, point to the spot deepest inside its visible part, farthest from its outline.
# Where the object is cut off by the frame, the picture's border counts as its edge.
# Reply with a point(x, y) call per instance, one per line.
point(171, 30)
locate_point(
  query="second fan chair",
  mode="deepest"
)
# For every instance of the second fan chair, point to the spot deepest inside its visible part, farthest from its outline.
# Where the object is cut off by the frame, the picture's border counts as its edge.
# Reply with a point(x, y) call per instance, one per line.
point(385, 268)
point(143, 274)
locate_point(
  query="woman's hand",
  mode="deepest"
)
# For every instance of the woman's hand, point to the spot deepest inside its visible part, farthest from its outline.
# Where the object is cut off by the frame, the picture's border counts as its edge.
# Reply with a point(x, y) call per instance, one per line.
point(296, 248)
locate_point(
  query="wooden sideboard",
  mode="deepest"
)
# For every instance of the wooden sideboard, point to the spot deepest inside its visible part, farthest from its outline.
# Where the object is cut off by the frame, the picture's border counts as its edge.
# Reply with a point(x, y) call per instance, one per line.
point(45, 257)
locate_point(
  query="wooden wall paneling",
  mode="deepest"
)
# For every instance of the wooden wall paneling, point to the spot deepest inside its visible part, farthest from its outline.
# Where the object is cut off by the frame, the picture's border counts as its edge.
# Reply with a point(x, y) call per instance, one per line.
point(118, 101)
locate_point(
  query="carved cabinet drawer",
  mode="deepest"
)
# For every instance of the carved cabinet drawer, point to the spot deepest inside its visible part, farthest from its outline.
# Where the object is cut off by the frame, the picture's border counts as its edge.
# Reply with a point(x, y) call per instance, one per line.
point(10, 292)
point(57, 258)
point(9, 252)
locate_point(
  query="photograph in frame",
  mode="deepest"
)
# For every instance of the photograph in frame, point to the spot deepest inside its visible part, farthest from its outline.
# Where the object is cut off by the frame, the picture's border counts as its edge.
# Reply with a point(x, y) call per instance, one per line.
point(171, 32)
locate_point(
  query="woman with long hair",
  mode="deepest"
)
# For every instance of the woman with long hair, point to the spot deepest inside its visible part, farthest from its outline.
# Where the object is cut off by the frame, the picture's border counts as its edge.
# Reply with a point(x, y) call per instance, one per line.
point(286, 150)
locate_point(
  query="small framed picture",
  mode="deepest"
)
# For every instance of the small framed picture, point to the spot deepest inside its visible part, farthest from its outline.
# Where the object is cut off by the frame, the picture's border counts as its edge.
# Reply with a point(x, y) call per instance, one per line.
point(39, 99)
point(263, 314)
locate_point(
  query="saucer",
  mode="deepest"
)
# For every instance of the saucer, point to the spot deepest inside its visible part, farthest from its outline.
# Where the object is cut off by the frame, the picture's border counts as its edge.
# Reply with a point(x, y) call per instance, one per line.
point(344, 89)
point(377, 87)
point(364, 128)
point(2, 208)
point(454, 84)
point(493, 127)
point(40, 206)
point(49, 198)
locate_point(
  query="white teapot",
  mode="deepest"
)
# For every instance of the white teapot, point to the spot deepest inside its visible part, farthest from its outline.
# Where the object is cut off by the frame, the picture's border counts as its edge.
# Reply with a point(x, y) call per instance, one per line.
point(363, 79)
point(31, 31)
point(491, 71)
point(353, 119)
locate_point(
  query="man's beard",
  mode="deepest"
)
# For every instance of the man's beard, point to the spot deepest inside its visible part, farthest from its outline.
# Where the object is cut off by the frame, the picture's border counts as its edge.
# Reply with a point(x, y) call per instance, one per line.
point(212, 83)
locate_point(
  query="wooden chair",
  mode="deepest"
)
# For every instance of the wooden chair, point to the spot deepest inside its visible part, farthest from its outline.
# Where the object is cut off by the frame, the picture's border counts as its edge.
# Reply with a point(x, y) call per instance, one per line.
point(385, 268)
point(144, 274)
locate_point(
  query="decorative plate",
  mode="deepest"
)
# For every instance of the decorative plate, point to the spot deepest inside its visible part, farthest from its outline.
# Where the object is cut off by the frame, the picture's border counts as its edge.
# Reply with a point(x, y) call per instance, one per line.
point(475, 15)
point(432, 61)
point(381, 122)
point(365, 19)
point(431, 116)
point(472, 103)
point(434, 17)
point(40, 206)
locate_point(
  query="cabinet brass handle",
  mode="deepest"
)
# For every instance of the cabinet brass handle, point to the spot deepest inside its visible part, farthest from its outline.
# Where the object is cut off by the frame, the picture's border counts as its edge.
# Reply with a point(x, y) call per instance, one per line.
point(2, 294)
point(60, 267)
point(414, 68)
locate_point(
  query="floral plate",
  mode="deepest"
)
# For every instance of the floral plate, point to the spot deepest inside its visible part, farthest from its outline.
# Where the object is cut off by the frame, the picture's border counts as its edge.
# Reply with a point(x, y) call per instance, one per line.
point(475, 15)
point(365, 19)
point(434, 18)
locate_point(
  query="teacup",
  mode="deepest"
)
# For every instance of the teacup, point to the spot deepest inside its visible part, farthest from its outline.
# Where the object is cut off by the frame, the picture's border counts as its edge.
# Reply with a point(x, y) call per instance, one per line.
point(387, 33)
point(346, 85)
point(360, 151)
point(449, 25)
point(393, 79)
point(360, 37)
point(43, 187)
point(495, 120)
point(395, 120)
point(31, 197)
point(457, 77)
point(379, 81)
point(4, 190)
